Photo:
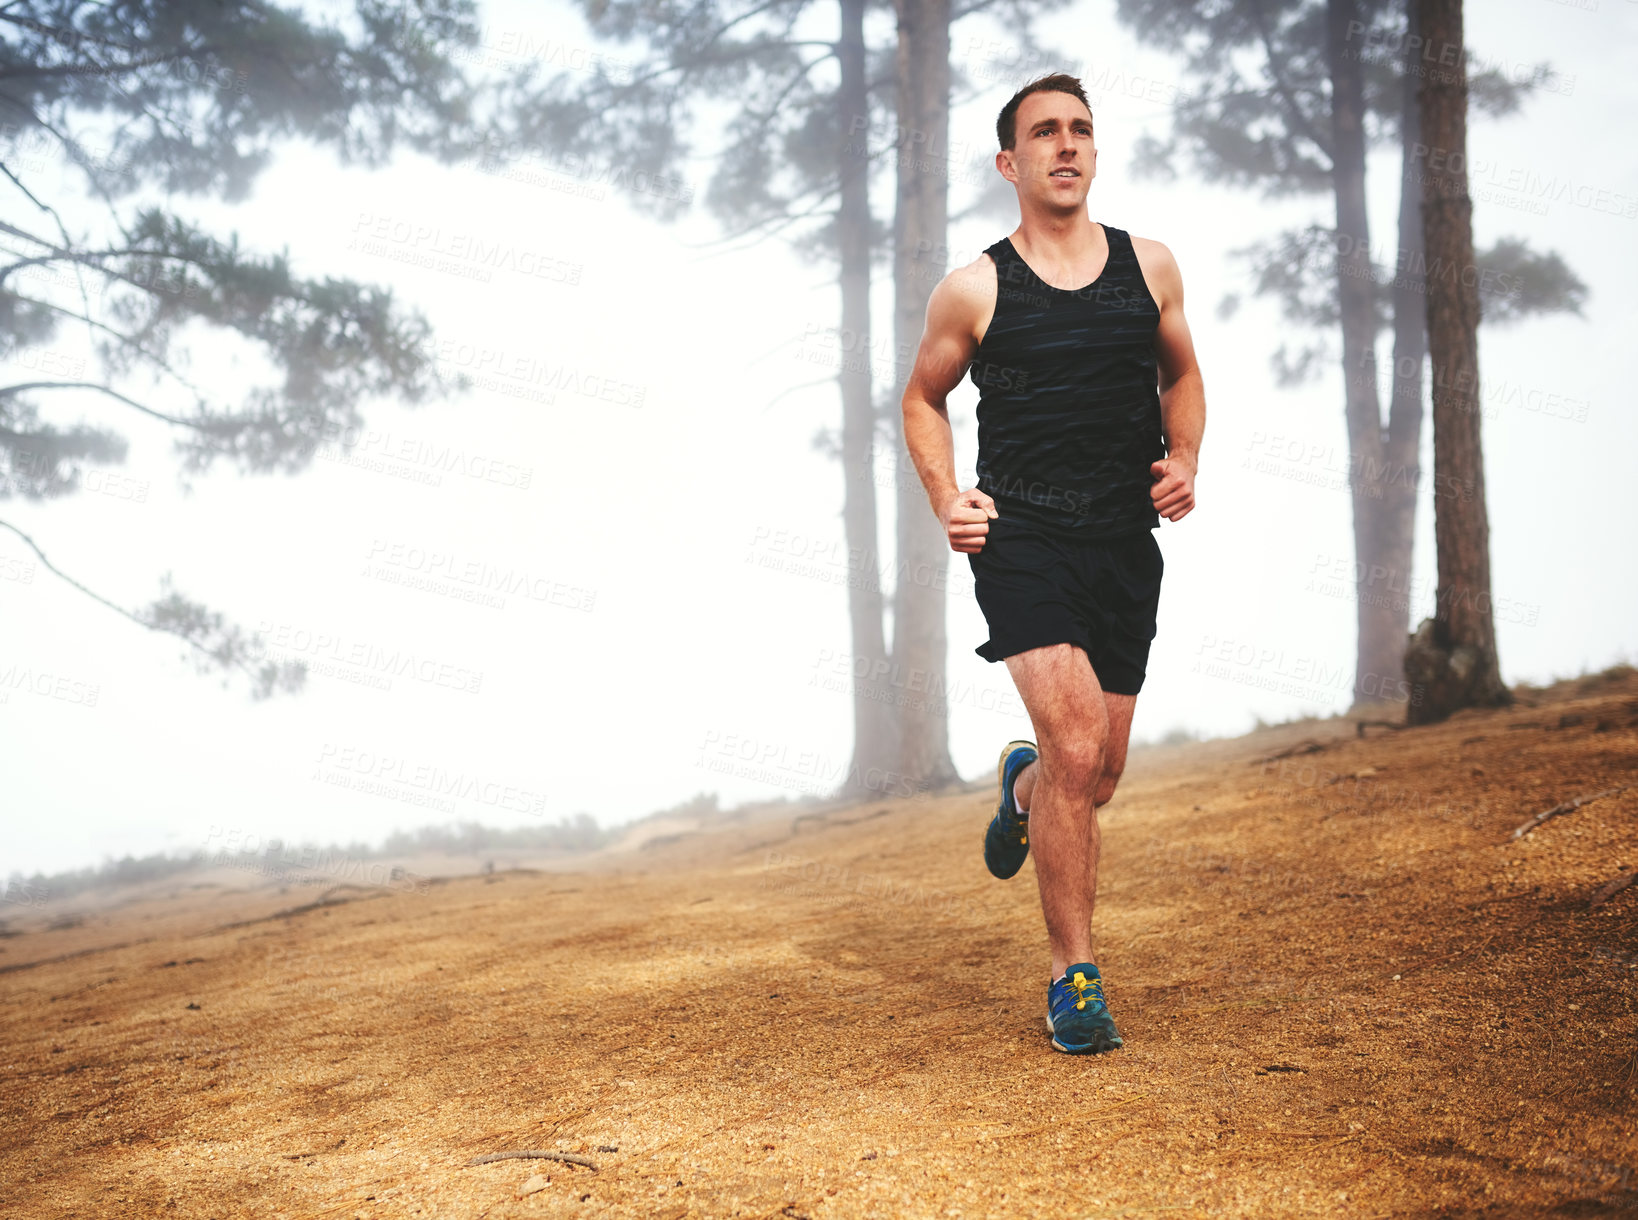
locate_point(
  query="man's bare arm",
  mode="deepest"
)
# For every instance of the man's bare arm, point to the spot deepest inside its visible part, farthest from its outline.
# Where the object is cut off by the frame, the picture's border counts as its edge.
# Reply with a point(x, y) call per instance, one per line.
point(1182, 391)
point(947, 347)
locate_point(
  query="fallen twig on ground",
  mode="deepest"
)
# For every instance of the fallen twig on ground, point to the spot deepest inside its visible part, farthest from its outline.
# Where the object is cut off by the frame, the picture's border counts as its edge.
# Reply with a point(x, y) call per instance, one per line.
point(1261, 1156)
point(1359, 726)
point(1309, 746)
point(1566, 807)
point(1610, 889)
point(1533, 892)
point(1445, 957)
point(292, 912)
point(535, 1154)
point(1307, 1135)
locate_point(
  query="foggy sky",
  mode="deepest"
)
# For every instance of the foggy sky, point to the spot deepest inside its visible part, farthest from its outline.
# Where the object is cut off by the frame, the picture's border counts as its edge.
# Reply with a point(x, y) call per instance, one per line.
point(613, 575)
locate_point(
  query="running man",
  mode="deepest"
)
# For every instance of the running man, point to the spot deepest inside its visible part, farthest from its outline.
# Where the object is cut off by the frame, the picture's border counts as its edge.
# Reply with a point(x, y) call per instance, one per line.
point(1090, 416)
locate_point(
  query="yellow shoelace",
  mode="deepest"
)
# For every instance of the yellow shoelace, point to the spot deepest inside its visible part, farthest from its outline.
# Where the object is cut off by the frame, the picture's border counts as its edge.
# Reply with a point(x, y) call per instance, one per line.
point(1083, 987)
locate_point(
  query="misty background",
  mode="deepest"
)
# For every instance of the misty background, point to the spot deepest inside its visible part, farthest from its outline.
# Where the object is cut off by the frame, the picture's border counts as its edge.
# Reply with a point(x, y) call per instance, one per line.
point(635, 470)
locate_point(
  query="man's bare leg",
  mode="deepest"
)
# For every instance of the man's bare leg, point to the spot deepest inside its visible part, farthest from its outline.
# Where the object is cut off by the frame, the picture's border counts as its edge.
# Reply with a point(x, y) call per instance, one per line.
point(1120, 709)
point(1082, 732)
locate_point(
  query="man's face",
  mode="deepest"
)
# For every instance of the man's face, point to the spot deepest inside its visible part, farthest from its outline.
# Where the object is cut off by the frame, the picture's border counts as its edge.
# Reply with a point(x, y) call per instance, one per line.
point(1053, 158)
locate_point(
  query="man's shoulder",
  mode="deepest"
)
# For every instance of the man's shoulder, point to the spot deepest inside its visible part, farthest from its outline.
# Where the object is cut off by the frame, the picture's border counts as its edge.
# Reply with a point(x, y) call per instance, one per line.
point(980, 269)
point(1149, 247)
point(1159, 267)
point(969, 288)
point(1153, 253)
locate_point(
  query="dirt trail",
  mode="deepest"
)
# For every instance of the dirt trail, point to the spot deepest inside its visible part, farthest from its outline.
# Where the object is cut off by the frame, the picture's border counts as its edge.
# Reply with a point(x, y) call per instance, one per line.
point(843, 1016)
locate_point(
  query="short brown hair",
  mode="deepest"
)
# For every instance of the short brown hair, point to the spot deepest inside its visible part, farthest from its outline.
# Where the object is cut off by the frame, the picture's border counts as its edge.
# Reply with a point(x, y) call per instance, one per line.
point(1006, 126)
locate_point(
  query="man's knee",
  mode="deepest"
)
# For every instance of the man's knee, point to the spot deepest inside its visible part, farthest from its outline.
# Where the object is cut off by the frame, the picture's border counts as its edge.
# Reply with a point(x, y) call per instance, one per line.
point(1107, 779)
point(1075, 763)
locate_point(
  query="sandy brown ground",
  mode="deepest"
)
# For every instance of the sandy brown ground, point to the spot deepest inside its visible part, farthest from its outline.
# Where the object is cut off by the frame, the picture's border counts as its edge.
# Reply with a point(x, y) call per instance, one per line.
point(842, 1015)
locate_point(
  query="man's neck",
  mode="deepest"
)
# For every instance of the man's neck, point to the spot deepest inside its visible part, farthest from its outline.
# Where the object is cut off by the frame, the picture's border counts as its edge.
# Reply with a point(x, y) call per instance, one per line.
point(1061, 237)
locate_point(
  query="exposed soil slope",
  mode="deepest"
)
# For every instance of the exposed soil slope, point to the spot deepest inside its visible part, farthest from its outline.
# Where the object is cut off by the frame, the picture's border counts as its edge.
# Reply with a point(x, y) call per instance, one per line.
point(843, 1016)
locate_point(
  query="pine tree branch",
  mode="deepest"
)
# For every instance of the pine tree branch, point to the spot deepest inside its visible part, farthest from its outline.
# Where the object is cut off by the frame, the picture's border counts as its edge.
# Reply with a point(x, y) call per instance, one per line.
point(72, 145)
point(804, 385)
point(9, 390)
point(779, 219)
point(125, 341)
point(698, 59)
point(264, 680)
point(95, 68)
point(85, 299)
point(745, 16)
point(70, 38)
point(1299, 119)
point(767, 116)
point(62, 575)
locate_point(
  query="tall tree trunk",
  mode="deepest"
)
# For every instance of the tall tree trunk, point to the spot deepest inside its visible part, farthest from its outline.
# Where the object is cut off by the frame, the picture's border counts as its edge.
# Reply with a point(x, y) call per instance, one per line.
point(874, 730)
point(1396, 513)
point(1377, 656)
point(1452, 661)
point(920, 638)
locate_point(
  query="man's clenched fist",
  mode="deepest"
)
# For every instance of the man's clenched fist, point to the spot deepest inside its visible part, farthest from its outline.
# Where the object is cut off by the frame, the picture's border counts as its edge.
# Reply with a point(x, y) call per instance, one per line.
point(1173, 489)
point(966, 520)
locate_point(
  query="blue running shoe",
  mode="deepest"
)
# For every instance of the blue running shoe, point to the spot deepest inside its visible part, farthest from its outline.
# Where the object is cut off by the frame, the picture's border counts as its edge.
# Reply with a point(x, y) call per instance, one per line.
point(1077, 1014)
point(1006, 842)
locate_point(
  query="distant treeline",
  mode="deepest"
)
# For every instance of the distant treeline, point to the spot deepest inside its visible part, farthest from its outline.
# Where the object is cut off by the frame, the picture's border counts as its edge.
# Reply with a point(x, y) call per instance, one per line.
point(579, 833)
point(573, 834)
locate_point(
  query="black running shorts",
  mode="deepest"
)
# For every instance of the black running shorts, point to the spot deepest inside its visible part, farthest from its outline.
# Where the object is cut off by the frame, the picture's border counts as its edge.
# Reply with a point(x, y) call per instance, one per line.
point(1038, 588)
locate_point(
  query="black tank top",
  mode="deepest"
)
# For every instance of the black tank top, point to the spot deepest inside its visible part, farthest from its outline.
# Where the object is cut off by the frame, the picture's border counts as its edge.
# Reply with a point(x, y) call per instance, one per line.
point(1068, 407)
